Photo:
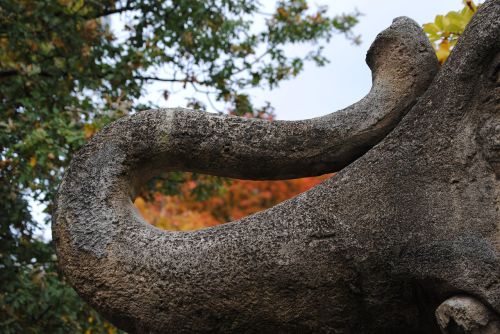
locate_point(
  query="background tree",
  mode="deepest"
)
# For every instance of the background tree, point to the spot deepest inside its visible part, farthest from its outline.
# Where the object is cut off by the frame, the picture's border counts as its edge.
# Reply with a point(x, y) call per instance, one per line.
point(234, 200)
point(64, 74)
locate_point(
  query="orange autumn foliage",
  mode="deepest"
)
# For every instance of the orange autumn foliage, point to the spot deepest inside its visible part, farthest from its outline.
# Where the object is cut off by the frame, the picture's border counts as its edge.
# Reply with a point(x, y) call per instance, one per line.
point(237, 200)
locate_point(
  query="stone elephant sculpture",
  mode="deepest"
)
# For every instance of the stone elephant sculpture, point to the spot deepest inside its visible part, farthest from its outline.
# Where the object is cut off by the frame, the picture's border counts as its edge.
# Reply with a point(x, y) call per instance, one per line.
point(405, 238)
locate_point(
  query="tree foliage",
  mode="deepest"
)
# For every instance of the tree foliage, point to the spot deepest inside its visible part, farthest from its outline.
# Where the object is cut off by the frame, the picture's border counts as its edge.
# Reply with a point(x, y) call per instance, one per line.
point(65, 73)
point(235, 200)
point(446, 29)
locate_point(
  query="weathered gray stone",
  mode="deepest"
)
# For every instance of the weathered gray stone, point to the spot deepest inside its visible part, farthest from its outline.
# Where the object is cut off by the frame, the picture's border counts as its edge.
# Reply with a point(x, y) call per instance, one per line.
point(463, 314)
point(410, 222)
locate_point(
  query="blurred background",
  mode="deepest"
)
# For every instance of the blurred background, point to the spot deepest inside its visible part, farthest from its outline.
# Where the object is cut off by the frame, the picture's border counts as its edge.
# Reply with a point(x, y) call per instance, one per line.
point(69, 67)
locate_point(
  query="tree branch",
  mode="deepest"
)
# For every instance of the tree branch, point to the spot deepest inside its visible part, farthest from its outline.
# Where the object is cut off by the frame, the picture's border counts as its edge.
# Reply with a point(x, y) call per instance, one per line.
point(186, 80)
point(8, 73)
point(140, 77)
point(113, 11)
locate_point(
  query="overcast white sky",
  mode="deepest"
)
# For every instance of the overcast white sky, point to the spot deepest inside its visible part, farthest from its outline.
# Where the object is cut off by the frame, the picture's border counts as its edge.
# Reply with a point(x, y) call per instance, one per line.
point(346, 79)
point(321, 90)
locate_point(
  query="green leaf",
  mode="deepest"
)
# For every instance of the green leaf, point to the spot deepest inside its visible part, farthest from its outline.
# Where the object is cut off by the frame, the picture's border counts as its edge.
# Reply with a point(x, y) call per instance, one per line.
point(60, 63)
point(431, 28)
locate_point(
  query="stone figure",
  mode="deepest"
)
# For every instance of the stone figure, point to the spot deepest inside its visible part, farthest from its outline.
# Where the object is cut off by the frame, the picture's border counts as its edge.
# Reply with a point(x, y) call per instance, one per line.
point(405, 238)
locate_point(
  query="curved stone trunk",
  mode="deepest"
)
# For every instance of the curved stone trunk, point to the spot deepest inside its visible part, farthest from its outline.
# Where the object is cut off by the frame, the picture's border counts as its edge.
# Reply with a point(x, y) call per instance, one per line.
point(411, 222)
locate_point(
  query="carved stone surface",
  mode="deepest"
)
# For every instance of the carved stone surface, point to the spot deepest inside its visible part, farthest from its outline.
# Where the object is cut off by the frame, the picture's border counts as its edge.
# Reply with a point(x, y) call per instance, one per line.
point(413, 219)
point(462, 314)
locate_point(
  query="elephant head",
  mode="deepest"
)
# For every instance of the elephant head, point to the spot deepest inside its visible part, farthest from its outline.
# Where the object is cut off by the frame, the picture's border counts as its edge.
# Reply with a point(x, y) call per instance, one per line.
point(411, 219)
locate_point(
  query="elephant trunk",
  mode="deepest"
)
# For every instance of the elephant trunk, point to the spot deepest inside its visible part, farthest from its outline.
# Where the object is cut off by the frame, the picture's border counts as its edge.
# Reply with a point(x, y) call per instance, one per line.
point(228, 275)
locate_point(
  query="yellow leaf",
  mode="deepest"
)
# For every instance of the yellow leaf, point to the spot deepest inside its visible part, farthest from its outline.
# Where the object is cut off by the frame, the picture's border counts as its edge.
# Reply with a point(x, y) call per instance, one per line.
point(187, 37)
point(33, 161)
point(72, 6)
point(431, 28)
point(443, 51)
point(456, 22)
point(37, 277)
point(438, 21)
point(282, 12)
point(58, 42)
point(88, 130)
